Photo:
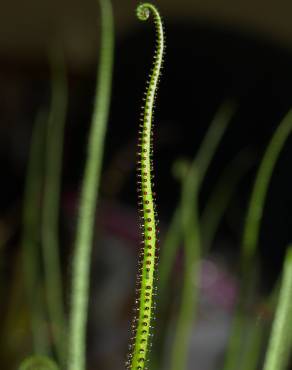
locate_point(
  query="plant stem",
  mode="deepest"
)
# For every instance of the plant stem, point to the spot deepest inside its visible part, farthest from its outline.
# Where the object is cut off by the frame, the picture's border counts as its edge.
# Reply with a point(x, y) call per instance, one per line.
point(221, 195)
point(277, 356)
point(235, 341)
point(254, 342)
point(38, 363)
point(89, 192)
point(260, 188)
point(51, 204)
point(252, 229)
point(192, 254)
point(200, 166)
point(201, 162)
point(145, 303)
point(30, 236)
point(213, 138)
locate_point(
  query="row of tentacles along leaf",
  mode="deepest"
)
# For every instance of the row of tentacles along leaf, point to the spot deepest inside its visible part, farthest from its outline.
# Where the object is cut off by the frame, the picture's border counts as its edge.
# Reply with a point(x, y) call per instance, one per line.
point(144, 303)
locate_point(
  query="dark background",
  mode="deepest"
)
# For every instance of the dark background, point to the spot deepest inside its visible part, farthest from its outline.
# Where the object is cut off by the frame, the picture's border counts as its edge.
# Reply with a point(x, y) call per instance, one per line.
point(239, 51)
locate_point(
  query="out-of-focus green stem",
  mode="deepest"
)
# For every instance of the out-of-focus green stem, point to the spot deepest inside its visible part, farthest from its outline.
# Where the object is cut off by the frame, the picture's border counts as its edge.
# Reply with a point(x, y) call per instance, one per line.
point(38, 363)
point(51, 204)
point(231, 360)
point(247, 334)
point(259, 192)
point(192, 254)
point(89, 193)
point(30, 235)
point(252, 228)
point(279, 348)
point(213, 138)
point(254, 344)
point(200, 165)
point(256, 329)
point(221, 196)
point(201, 162)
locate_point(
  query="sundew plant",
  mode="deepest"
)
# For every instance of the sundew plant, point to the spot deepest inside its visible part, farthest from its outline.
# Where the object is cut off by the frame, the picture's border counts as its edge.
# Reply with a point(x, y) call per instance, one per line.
point(146, 275)
point(191, 230)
